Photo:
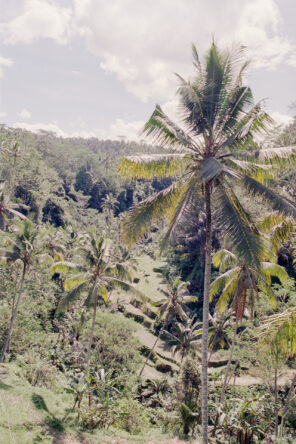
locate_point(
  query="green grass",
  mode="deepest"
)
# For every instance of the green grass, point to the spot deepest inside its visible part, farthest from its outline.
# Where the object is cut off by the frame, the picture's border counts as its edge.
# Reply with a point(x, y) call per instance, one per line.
point(37, 415)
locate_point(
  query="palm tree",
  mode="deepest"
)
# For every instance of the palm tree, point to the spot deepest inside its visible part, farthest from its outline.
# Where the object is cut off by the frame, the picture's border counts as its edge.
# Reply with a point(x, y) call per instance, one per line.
point(174, 305)
point(217, 332)
point(101, 272)
point(54, 241)
point(23, 249)
point(8, 208)
point(239, 284)
point(184, 338)
point(215, 150)
point(109, 204)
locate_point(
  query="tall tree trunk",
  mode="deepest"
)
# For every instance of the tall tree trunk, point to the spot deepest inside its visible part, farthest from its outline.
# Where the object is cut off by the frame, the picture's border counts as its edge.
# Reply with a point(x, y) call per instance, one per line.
point(13, 316)
point(91, 338)
point(229, 363)
point(165, 325)
point(276, 400)
point(205, 321)
point(151, 351)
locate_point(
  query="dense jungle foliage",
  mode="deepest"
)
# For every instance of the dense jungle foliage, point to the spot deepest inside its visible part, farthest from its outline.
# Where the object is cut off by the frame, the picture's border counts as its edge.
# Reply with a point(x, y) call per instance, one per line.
point(102, 342)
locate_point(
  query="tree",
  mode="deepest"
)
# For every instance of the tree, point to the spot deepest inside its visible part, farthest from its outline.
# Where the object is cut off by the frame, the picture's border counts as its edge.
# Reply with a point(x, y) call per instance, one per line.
point(279, 332)
point(23, 249)
point(8, 208)
point(214, 151)
point(174, 305)
point(101, 272)
point(240, 284)
point(184, 338)
point(109, 204)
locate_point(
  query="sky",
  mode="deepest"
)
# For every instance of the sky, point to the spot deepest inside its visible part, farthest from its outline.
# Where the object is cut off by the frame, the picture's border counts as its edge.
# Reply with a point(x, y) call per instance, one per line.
point(97, 68)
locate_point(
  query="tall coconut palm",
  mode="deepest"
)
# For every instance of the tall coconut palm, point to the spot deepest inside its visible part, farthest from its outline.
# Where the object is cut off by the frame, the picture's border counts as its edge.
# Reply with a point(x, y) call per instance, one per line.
point(214, 151)
point(23, 248)
point(173, 306)
point(94, 279)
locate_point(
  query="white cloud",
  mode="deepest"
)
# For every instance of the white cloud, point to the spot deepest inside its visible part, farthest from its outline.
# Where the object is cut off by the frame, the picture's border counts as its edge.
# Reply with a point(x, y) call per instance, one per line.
point(281, 119)
point(126, 130)
point(39, 19)
point(4, 63)
point(3, 114)
point(143, 43)
point(118, 130)
point(36, 127)
point(24, 114)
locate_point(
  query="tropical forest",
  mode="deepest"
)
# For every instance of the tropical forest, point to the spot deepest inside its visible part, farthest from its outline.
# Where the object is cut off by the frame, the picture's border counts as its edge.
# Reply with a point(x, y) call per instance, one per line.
point(147, 289)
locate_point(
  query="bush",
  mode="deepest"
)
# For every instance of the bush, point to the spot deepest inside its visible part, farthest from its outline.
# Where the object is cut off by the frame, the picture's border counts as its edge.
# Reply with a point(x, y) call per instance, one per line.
point(39, 372)
point(115, 348)
point(98, 416)
point(131, 416)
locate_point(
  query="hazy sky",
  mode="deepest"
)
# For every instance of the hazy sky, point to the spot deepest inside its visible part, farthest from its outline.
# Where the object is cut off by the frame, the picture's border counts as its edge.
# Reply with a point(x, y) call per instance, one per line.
point(98, 67)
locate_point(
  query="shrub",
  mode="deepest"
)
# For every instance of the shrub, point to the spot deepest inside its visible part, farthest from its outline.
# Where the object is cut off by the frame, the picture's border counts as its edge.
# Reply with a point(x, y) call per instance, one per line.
point(131, 416)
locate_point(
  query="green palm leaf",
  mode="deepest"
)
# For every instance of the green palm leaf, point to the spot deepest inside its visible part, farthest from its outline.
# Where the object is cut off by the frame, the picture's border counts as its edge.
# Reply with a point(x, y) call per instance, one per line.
point(72, 296)
point(63, 267)
point(74, 281)
point(150, 166)
point(234, 221)
point(276, 202)
point(140, 218)
point(221, 281)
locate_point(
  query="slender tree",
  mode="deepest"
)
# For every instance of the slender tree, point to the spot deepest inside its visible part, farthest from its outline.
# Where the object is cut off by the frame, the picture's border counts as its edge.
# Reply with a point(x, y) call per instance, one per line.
point(100, 273)
point(23, 248)
point(172, 307)
point(213, 152)
point(184, 337)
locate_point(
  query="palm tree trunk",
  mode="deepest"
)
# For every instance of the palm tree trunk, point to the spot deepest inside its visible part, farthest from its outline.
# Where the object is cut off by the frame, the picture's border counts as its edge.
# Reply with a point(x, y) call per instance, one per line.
point(205, 321)
point(276, 400)
point(229, 363)
point(91, 338)
point(13, 316)
point(165, 325)
point(151, 351)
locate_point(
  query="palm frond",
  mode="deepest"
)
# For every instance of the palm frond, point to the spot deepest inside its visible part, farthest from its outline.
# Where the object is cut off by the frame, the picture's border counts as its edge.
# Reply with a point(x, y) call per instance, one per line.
point(71, 297)
point(140, 218)
point(221, 281)
point(278, 155)
point(269, 269)
point(76, 280)
point(154, 165)
point(180, 212)
point(165, 133)
point(233, 219)
point(64, 267)
point(277, 202)
point(224, 259)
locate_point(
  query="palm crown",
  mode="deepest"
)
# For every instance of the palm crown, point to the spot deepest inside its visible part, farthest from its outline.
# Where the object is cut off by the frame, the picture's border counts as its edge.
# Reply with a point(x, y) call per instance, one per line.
point(217, 147)
point(240, 283)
